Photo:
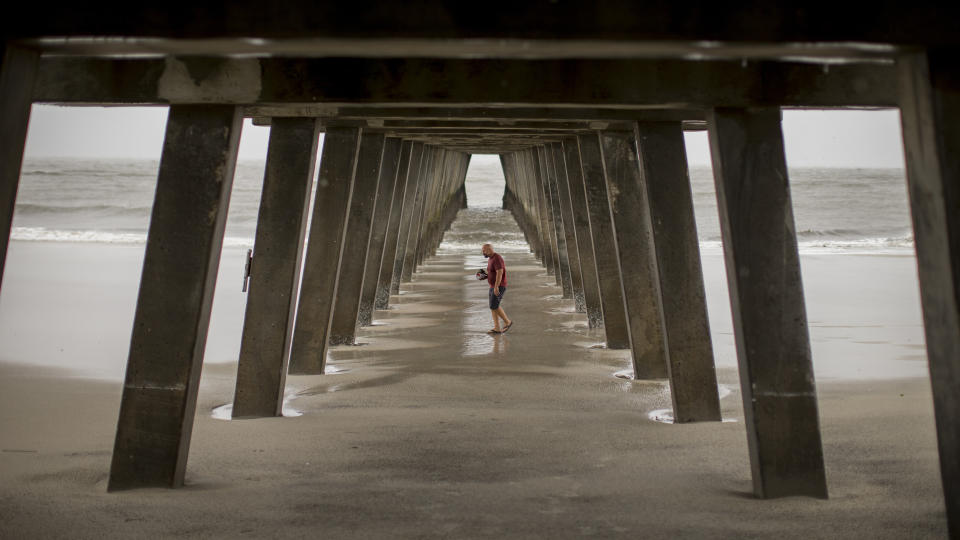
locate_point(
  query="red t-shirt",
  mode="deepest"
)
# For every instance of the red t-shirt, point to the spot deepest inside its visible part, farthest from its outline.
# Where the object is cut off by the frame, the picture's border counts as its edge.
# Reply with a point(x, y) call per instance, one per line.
point(494, 263)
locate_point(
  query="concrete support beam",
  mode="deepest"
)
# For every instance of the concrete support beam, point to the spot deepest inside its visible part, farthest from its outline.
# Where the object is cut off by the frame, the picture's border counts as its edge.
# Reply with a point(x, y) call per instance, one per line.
point(929, 88)
point(633, 232)
point(555, 151)
point(550, 177)
point(638, 83)
point(665, 177)
point(17, 73)
point(318, 289)
point(346, 309)
point(189, 214)
point(766, 293)
point(414, 180)
point(581, 222)
point(393, 228)
point(275, 270)
point(378, 233)
point(615, 320)
point(613, 28)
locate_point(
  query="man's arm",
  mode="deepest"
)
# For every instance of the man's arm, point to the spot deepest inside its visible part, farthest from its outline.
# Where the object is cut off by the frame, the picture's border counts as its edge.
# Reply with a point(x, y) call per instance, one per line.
point(496, 285)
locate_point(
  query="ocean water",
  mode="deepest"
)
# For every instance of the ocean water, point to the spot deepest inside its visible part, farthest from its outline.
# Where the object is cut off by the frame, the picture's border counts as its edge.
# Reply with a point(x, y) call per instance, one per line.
point(109, 201)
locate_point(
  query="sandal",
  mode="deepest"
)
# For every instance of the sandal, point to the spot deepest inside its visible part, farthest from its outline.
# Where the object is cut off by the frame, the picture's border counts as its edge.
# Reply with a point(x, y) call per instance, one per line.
point(494, 331)
point(507, 327)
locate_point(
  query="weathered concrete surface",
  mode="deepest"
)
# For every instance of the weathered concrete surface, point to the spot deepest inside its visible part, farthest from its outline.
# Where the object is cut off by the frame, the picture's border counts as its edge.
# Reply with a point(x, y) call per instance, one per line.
point(630, 215)
point(766, 295)
point(275, 270)
point(318, 288)
point(356, 240)
point(615, 322)
point(929, 88)
point(581, 222)
point(409, 256)
point(378, 232)
point(406, 219)
point(629, 82)
point(556, 218)
point(18, 69)
point(663, 164)
point(176, 294)
point(393, 228)
point(569, 230)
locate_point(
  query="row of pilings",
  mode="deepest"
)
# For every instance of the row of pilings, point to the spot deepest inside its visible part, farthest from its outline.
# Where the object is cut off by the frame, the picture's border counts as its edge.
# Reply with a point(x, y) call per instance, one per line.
point(634, 217)
point(381, 207)
point(610, 215)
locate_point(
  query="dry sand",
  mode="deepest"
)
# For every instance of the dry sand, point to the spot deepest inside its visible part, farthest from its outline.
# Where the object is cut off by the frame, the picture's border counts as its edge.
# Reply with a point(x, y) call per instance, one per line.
point(432, 428)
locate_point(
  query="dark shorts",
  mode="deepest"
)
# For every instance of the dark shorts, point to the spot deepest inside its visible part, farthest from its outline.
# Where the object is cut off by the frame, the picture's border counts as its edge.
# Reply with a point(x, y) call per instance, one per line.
point(494, 299)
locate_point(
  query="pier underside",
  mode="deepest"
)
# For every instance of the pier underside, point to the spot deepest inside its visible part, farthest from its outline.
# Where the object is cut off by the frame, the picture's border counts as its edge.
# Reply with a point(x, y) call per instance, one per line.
point(585, 106)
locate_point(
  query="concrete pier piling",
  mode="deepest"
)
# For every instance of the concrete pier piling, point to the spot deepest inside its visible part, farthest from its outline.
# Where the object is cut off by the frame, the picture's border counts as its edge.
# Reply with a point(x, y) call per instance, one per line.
point(176, 295)
point(629, 212)
point(929, 89)
point(17, 73)
point(318, 288)
point(414, 181)
point(581, 222)
point(378, 232)
point(409, 256)
point(392, 236)
point(766, 293)
point(552, 197)
point(356, 242)
point(569, 230)
point(596, 178)
point(664, 176)
point(615, 322)
point(275, 271)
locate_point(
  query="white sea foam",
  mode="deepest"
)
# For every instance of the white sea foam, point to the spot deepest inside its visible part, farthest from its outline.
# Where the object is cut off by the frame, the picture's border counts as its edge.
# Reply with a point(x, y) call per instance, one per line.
point(41, 234)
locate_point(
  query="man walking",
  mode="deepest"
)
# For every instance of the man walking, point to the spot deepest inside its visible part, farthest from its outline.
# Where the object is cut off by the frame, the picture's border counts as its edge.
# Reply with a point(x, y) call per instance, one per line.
point(497, 278)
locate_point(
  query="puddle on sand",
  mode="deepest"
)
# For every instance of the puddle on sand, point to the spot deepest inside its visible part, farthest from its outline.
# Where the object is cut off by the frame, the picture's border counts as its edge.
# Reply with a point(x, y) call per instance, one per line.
point(225, 411)
point(665, 416)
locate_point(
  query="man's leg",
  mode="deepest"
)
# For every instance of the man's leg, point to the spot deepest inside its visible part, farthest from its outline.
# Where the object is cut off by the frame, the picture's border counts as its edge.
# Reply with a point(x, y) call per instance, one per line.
point(503, 315)
point(496, 320)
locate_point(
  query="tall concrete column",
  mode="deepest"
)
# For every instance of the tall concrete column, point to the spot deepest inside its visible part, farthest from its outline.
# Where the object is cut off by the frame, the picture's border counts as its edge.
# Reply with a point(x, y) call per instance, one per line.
point(356, 243)
point(378, 234)
point(766, 294)
point(170, 323)
point(17, 73)
point(569, 230)
point(581, 222)
point(665, 177)
point(416, 217)
point(321, 271)
point(635, 253)
point(430, 206)
point(275, 270)
point(393, 228)
point(604, 244)
point(409, 209)
point(550, 176)
point(929, 91)
point(546, 221)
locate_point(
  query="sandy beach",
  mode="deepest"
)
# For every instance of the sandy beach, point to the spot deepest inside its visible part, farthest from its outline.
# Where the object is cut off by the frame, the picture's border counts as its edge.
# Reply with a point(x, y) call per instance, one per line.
point(432, 428)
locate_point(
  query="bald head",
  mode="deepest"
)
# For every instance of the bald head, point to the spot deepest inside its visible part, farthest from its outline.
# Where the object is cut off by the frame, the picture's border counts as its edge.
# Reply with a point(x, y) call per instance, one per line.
point(487, 250)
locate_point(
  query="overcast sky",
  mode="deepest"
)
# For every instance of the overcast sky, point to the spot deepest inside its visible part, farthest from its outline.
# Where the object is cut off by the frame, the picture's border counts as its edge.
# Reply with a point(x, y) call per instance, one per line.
point(813, 138)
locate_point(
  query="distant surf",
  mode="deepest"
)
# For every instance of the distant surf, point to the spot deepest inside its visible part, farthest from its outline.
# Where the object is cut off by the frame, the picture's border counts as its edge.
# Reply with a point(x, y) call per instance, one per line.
point(110, 201)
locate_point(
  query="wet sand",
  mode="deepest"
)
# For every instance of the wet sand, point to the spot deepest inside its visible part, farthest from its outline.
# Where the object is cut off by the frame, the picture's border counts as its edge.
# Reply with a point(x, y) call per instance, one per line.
point(432, 428)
